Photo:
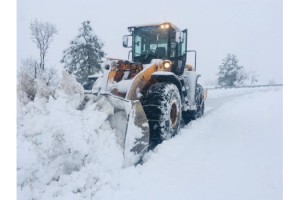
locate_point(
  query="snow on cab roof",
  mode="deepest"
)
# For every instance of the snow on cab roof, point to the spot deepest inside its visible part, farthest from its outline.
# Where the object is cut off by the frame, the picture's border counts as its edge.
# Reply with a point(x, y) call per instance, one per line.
point(155, 24)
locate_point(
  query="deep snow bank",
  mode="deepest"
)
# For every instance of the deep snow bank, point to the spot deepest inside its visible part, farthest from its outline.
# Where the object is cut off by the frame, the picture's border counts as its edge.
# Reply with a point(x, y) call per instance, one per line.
point(63, 151)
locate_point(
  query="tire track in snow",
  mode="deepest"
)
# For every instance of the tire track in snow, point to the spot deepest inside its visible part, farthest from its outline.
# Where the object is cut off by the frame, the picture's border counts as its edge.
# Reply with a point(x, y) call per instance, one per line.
point(214, 103)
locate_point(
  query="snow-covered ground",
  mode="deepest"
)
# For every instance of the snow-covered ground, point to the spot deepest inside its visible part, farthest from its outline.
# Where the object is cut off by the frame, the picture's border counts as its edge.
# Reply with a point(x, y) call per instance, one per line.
point(233, 152)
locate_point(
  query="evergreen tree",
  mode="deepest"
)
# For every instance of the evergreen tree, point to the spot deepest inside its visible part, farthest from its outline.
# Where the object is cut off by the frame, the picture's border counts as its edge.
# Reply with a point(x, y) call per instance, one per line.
point(230, 72)
point(84, 56)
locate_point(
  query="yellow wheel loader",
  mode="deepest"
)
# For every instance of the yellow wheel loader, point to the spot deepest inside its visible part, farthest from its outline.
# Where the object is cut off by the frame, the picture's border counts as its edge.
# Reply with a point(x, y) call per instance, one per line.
point(154, 92)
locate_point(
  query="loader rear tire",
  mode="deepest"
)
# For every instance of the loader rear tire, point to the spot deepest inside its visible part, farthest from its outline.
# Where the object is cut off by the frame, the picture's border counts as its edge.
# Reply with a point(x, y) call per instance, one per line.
point(199, 101)
point(162, 105)
point(188, 116)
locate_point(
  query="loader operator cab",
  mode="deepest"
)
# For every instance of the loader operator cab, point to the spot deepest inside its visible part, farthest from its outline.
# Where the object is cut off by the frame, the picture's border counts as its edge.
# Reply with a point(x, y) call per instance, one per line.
point(159, 41)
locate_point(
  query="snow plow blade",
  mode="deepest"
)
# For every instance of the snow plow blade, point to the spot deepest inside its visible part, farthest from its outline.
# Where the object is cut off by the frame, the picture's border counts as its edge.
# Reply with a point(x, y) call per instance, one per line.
point(131, 124)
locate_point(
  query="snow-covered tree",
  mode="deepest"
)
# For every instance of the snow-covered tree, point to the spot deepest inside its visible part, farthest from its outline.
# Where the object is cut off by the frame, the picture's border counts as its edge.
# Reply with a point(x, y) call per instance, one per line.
point(253, 77)
point(84, 56)
point(31, 79)
point(230, 72)
point(42, 34)
point(33, 76)
point(26, 86)
point(32, 67)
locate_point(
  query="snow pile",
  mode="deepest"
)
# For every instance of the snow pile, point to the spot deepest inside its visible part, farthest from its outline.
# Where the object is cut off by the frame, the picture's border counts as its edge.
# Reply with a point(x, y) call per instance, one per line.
point(65, 149)
point(153, 61)
point(123, 86)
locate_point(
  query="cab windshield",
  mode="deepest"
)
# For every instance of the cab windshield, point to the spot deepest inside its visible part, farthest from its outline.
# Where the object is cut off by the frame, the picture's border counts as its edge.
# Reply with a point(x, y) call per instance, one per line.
point(150, 43)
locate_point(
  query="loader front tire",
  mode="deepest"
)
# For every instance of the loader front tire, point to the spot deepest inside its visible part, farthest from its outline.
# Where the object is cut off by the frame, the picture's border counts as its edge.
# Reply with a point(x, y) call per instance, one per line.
point(162, 105)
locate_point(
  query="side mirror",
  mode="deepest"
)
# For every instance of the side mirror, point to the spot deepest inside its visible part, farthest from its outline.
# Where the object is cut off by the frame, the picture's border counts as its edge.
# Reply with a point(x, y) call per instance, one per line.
point(126, 41)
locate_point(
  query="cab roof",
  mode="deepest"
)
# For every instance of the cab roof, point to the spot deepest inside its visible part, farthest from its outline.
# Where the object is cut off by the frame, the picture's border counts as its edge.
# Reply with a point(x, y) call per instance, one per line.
point(155, 24)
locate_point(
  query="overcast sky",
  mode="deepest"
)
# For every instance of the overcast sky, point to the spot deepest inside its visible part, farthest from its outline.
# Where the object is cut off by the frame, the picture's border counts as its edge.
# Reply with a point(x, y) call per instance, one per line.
point(251, 29)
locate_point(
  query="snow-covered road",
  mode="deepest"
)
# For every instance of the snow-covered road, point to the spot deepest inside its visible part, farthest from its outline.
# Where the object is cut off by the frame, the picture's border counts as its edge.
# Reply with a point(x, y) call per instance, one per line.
point(234, 152)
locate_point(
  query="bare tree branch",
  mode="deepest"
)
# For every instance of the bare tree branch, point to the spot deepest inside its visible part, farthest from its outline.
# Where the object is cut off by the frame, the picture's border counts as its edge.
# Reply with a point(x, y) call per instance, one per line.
point(42, 34)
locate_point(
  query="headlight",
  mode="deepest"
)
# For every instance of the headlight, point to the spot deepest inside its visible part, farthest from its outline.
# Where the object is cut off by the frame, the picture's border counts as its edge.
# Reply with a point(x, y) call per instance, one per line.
point(164, 26)
point(167, 65)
